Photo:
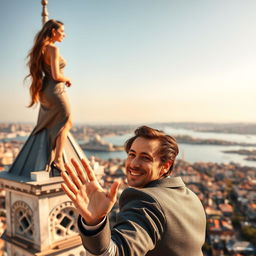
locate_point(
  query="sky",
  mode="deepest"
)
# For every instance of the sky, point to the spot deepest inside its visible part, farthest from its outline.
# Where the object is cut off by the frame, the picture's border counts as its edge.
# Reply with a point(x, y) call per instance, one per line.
point(138, 61)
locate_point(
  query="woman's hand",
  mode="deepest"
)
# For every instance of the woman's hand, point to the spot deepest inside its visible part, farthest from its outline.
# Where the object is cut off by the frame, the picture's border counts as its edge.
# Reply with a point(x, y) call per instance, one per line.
point(92, 202)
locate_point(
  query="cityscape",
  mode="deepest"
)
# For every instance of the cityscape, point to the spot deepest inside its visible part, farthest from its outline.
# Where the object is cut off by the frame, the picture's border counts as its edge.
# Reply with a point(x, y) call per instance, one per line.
point(184, 67)
point(226, 190)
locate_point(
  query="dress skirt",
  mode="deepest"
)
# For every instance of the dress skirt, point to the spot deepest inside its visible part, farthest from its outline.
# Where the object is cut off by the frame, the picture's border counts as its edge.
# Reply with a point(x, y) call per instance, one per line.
point(39, 149)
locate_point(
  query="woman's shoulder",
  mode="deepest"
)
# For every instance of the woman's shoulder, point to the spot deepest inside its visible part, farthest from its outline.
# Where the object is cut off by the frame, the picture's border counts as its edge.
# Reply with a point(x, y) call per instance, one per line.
point(51, 48)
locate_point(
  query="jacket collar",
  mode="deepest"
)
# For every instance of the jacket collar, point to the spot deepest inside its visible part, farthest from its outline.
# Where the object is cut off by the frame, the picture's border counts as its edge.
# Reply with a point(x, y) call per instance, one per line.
point(169, 182)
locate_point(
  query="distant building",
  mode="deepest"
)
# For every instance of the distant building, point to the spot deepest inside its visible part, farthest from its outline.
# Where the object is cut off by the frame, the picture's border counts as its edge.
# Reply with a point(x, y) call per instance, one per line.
point(96, 143)
point(226, 209)
point(244, 247)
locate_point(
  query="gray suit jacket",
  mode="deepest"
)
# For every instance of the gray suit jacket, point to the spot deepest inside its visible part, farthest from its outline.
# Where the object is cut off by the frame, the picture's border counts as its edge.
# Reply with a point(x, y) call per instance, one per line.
point(164, 218)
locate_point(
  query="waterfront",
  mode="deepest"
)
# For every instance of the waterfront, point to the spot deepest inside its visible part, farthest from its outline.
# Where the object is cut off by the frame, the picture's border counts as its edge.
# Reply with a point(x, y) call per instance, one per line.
point(189, 152)
point(192, 153)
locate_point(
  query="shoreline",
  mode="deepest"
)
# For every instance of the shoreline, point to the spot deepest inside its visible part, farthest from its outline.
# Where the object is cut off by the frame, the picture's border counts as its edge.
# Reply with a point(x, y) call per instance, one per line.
point(250, 154)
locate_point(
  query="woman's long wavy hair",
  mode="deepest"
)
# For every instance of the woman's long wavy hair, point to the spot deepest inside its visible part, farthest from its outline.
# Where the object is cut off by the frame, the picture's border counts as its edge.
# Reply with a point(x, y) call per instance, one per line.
point(35, 58)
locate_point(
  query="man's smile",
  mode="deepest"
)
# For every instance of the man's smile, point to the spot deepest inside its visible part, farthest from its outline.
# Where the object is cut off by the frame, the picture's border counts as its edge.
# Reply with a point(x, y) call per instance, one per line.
point(134, 172)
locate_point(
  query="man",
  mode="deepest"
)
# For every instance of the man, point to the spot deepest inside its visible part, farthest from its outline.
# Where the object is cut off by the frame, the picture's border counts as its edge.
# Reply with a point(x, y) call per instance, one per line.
point(159, 215)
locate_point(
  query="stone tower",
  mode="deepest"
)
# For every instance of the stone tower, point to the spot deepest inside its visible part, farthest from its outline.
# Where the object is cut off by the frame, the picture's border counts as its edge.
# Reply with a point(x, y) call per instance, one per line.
point(40, 217)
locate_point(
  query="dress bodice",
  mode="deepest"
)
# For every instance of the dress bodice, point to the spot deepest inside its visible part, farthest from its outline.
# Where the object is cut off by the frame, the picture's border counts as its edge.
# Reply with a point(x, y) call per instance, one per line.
point(47, 68)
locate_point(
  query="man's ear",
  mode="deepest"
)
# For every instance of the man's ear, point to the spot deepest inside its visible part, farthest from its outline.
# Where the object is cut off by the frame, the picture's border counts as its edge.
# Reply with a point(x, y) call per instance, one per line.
point(165, 167)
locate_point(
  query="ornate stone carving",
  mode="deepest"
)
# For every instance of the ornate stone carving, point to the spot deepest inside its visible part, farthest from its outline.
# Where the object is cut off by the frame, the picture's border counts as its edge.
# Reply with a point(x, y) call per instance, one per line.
point(63, 221)
point(22, 217)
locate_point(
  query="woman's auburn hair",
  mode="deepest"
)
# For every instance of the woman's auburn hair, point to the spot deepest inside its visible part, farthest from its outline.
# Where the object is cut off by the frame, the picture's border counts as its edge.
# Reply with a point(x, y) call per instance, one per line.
point(35, 58)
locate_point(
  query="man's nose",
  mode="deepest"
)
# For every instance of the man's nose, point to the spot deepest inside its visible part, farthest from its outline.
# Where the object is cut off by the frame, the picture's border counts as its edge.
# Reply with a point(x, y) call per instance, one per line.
point(135, 162)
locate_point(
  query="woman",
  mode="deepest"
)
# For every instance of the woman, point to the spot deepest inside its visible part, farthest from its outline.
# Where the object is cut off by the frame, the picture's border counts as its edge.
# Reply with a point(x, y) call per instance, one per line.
point(44, 148)
point(48, 87)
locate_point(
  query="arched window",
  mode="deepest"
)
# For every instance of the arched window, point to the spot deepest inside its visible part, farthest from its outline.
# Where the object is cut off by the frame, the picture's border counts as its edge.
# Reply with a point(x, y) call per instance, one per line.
point(22, 217)
point(63, 221)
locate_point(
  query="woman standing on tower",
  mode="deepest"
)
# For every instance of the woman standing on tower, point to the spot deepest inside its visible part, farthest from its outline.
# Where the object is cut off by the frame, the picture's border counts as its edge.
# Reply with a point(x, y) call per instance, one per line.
point(48, 88)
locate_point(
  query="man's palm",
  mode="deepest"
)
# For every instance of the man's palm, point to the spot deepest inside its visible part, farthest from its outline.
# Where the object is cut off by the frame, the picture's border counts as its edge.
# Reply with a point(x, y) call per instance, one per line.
point(91, 201)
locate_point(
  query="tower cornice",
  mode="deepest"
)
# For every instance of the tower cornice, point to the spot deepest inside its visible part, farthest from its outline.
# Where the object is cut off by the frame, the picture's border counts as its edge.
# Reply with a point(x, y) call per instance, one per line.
point(37, 188)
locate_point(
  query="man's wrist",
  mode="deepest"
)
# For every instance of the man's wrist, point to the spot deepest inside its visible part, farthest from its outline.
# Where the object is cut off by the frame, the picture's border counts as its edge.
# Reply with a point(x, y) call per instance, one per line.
point(89, 226)
point(93, 222)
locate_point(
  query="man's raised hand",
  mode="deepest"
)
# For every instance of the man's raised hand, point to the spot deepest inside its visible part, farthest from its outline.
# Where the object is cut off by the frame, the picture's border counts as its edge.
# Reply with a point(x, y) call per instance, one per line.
point(93, 203)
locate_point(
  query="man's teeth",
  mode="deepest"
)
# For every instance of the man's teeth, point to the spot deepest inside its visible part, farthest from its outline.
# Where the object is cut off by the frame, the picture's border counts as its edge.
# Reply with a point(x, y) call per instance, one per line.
point(135, 173)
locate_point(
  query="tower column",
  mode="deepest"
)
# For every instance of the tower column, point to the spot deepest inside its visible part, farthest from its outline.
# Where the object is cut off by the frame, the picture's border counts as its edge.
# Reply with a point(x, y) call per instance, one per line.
point(44, 12)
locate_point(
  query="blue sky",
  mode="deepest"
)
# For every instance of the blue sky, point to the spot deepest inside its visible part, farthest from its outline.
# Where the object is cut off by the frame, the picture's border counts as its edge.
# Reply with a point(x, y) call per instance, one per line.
point(139, 61)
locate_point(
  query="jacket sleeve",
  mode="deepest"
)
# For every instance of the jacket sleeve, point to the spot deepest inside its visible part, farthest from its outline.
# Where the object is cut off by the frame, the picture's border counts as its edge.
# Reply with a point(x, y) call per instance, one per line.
point(139, 226)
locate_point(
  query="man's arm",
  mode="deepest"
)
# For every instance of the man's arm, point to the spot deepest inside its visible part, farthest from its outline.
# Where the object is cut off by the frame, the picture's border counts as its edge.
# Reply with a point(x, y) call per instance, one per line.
point(97, 241)
point(140, 225)
point(140, 221)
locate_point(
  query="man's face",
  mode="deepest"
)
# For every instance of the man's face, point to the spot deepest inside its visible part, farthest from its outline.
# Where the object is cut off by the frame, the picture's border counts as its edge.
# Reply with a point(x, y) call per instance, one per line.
point(143, 165)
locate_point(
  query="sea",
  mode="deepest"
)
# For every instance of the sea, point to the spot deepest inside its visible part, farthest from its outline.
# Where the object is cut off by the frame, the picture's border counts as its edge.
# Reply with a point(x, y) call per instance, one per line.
point(188, 152)
point(192, 153)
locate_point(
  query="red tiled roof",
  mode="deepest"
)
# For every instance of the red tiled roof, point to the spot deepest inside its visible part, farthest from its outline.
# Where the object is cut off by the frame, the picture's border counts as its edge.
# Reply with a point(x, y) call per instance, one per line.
point(226, 208)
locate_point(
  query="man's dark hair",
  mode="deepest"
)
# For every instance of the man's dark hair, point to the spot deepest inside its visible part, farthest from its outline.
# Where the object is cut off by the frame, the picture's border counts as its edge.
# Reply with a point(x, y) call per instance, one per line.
point(168, 146)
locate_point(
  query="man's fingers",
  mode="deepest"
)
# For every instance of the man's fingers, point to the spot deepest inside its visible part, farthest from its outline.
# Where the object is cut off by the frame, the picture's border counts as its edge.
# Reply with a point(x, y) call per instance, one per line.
point(75, 200)
point(88, 170)
point(69, 183)
point(79, 171)
point(69, 193)
point(73, 174)
point(113, 190)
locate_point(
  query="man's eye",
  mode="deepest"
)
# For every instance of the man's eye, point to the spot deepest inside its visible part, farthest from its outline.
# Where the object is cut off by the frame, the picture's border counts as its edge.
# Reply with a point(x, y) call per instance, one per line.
point(145, 158)
point(131, 154)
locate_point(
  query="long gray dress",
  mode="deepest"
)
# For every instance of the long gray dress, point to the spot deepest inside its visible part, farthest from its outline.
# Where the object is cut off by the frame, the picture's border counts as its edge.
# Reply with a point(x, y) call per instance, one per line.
point(39, 149)
point(54, 110)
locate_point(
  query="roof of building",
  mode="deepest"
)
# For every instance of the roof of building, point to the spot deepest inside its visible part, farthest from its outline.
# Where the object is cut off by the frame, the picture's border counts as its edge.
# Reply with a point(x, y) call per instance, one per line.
point(34, 157)
point(226, 208)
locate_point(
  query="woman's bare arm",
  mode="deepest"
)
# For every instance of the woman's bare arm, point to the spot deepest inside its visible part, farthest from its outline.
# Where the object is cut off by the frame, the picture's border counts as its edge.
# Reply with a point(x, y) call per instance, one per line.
point(54, 56)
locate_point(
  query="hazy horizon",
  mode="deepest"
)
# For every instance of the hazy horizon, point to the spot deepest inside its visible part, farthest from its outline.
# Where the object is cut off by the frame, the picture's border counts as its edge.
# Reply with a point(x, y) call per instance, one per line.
point(138, 123)
point(134, 62)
